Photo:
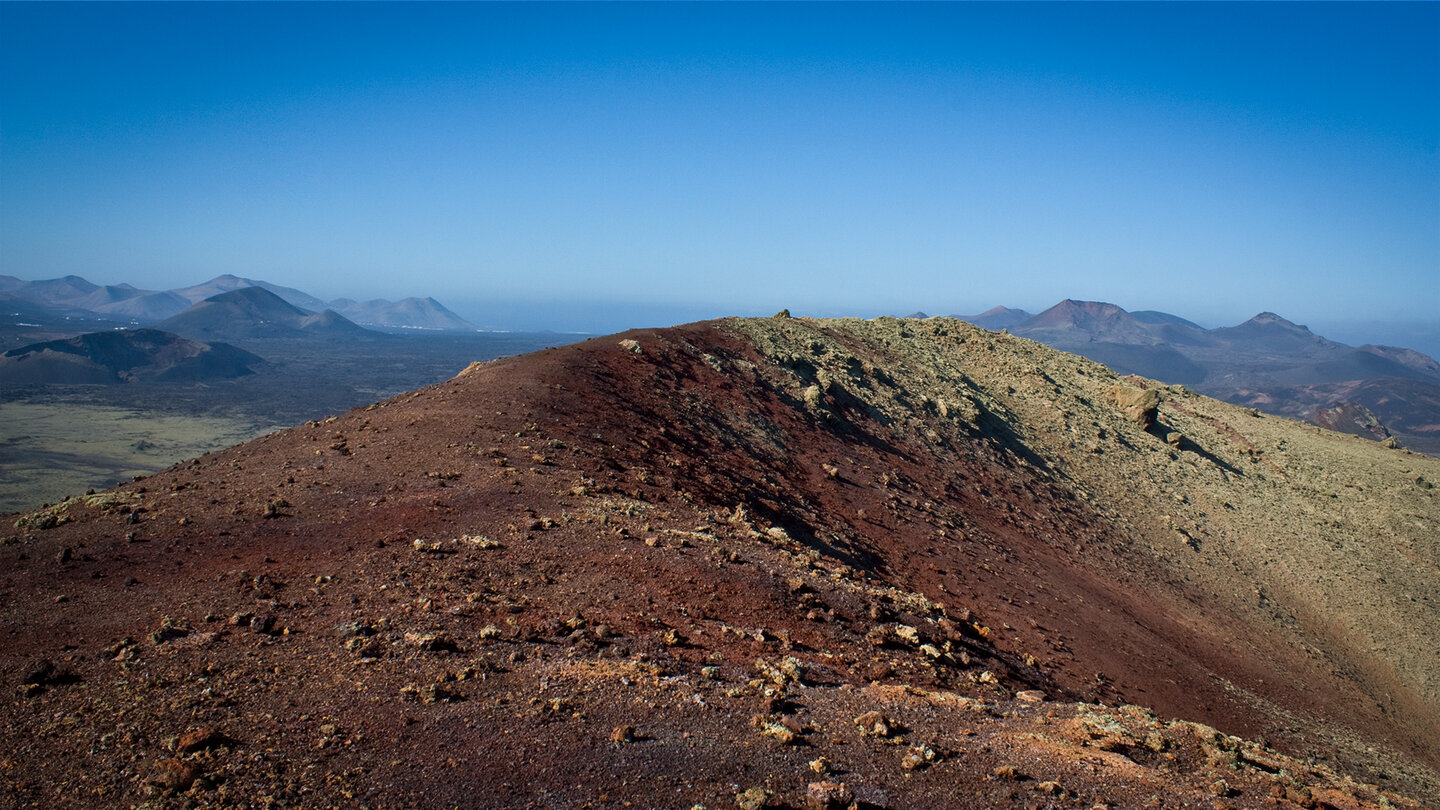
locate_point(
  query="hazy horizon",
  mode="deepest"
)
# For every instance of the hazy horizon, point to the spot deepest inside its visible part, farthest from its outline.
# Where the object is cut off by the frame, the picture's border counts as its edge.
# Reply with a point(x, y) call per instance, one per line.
point(595, 167)
point(603, 317)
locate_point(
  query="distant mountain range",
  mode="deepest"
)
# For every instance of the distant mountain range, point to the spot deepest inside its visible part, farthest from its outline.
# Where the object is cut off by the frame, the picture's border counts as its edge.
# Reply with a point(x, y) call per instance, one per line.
point(73, 297)
point(185, 348)
point(1266, 362)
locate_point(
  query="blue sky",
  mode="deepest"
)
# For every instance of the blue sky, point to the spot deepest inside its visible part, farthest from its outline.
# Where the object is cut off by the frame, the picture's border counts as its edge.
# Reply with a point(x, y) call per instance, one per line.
point(602, 166)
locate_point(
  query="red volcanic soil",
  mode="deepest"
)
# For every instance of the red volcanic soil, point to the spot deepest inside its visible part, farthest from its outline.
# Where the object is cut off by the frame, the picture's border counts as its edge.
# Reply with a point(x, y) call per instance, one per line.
point(658, 569)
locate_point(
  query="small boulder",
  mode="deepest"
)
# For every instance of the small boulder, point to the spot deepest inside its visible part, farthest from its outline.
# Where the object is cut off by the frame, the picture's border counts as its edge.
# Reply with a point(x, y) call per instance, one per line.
point(174, 775)
point(779, 732)
point(38, 672)
point(755, 798)
point(1138, 404)
point(918, 758)
point(794, 669)
point(1008, 772)
point(169, 630)
point(828, 796)
point(874, 724)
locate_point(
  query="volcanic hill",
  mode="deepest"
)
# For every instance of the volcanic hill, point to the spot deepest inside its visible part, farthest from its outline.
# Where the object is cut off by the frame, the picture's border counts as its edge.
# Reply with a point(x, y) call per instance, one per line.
point(407, 313)
point(255, 312)
point(124, 356)
point(776, 562)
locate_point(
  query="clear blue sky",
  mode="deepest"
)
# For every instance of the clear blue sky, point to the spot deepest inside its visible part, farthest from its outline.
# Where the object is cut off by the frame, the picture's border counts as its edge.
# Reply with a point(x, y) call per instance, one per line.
point(602, 166)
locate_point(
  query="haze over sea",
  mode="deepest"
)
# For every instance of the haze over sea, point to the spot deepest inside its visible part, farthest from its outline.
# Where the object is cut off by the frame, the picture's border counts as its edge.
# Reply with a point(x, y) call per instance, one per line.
point(599, 166)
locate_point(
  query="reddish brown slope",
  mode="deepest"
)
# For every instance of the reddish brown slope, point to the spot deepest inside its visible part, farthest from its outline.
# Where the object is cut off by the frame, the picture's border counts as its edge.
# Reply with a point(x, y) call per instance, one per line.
point(595, 525)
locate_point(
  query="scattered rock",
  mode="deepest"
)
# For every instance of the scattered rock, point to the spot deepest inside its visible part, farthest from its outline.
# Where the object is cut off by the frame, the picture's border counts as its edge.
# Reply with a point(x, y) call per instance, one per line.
point(1008, 772)
point(918, 758)
point(39, 672)
point(348, 630)
point(1030, 696)
point(122, 650)
point(811, 396)
point(202, 738)
point(623, 734)
point(755, 798)
point(631, 345)
point(174, 775)
point(433, 642)
point(480, 541)
point(874, 724)
point(432, 693)
point(778, 731)
point(169, 631)
point(828, 796)
point(794, 669)
point(1262, 760)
